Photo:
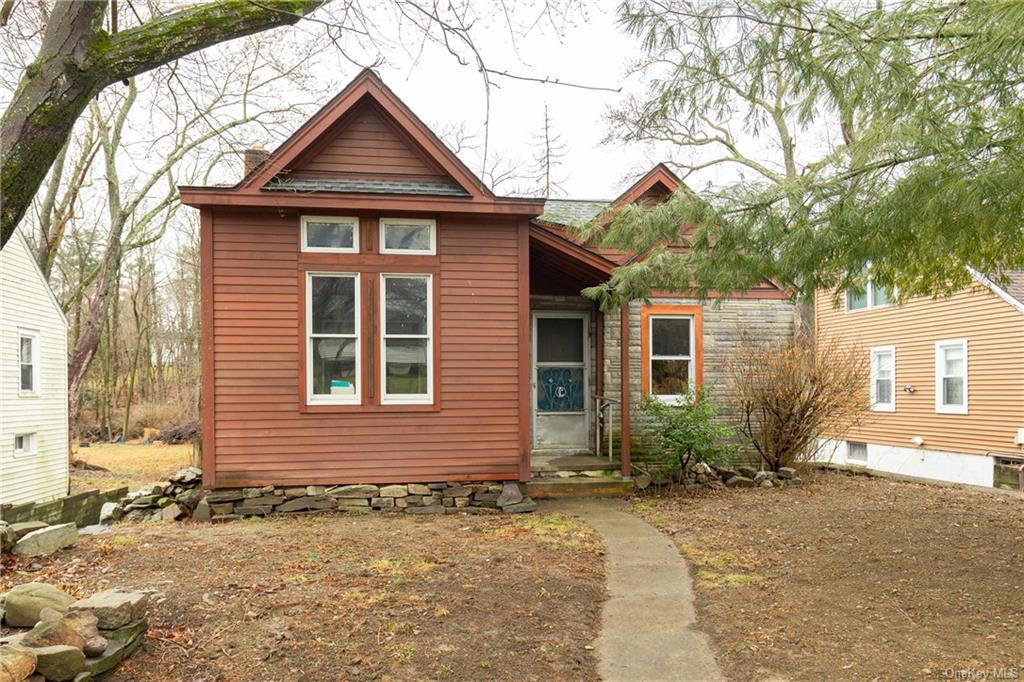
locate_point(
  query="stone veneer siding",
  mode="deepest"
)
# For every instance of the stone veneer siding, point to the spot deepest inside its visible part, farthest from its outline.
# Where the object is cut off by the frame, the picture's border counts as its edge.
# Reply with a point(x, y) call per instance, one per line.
point(726, 323)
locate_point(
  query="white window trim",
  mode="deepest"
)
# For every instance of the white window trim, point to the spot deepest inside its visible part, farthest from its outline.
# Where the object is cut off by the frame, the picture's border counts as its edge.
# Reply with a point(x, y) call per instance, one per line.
point(303, 246)
point(875, 405)
point(853, 460)
point(36, 371)
point(651, 357)
point(356, 398)
point(432, 251)
point(869, 289)
point(940, 367)
point(406, 398)
point(33, 444)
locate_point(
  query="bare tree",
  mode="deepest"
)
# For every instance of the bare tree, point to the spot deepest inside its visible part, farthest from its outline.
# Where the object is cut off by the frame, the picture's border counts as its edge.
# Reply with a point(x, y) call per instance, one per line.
point(548, 158)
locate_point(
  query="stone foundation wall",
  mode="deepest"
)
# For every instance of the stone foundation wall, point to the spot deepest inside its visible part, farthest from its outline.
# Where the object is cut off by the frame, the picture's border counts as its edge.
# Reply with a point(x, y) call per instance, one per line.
point(412, 498)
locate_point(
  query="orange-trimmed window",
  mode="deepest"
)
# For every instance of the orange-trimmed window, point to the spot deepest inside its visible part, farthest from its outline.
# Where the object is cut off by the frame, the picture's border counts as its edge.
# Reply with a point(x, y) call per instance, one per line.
point(671, 344)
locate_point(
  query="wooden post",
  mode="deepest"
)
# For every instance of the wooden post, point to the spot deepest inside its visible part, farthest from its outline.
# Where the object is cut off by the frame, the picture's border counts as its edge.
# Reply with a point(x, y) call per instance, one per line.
point(624, 392)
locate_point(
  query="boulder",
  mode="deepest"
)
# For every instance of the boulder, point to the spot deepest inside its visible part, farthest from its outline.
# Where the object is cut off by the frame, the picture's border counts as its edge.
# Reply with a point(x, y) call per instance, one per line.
point(761, 476)
point(202, 511)
point(16, 664)
point(394, 491)
point(510, 494)
point(108, 512)
point(113, 608)
point(7, 537)
point(740, 482)
point(83, 622)
point(365, 491)
point(25, 527)
point(52, 633)
point(59, 663)
point(95, 646)
point(746, 471)
point(527, 505)
point(766, 483)
point(123, 642)
point(724, 472)
point(25, 602)
point(787, 473)
point(47, 540)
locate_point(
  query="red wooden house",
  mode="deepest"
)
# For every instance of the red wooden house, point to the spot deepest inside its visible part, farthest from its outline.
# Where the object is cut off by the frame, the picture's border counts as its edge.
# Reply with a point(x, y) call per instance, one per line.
point(372, 313)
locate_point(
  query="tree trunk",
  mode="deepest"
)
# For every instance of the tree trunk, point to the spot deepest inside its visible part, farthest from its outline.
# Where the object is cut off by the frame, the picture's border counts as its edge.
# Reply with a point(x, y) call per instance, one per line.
point(77, 59)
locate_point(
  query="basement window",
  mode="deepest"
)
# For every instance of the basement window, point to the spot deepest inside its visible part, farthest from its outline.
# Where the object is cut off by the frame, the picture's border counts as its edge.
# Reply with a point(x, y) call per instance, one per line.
point(24, 444)
point(856, 453)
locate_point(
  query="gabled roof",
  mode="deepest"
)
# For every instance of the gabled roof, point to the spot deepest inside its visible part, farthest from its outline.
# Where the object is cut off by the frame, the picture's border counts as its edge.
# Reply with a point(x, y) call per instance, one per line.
point(659, 180)
point(1010, 289)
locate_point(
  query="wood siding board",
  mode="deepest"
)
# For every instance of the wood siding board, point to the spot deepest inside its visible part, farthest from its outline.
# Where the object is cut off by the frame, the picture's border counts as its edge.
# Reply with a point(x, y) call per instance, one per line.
point(207, 357)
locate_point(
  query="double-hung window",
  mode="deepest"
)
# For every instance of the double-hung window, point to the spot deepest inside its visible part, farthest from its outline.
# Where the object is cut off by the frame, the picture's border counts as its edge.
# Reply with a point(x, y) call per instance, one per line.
point(409, 236)
point(951, 376)
point(671, 372)
point(406, 338)
point(28, 363)
point(329, 234)
point(332, 330)
point(883, 379)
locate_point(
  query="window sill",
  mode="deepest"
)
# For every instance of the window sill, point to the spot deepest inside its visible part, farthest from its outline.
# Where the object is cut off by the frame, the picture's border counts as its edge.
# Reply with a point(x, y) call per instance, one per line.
point(28, 394)
point(883, 408)
point(950, 409)
point(349, 408)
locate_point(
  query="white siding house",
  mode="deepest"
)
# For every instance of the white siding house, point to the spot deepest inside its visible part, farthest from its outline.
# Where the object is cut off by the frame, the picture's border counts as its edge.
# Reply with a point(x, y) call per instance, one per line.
point(33, 381)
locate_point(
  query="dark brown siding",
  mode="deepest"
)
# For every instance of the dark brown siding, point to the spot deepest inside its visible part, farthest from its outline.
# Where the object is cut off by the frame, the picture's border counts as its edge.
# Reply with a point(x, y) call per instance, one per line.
point(368, 144)
point(263, 432)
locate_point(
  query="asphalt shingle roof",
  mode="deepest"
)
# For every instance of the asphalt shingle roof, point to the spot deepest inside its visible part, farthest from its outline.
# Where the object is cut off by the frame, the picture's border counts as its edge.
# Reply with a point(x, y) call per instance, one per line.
point(359, 186)
point(572, 211)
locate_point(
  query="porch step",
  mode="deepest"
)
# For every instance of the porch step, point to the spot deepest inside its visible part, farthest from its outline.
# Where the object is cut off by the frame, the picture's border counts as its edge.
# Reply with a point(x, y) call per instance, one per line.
point(547, 462)
point(578, 486)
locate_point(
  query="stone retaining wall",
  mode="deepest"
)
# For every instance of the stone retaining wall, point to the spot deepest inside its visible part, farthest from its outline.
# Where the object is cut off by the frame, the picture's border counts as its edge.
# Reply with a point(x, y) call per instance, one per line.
point(412, 498)
point(82, 509)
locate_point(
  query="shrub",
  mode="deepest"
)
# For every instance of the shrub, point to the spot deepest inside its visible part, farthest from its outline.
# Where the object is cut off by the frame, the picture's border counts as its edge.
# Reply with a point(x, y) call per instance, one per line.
point(687, 432)
point(788, 397)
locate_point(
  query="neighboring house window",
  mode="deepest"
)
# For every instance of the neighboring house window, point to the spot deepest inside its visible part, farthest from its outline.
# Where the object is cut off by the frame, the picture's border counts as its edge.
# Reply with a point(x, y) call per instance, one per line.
point(883, 379)
point(670, 350)
point(951, 376)
point(25, 444)
point(856, 453)
point(332, 328)
point(28, 362)
point(406, 343)
point(330, 234)
point(871, 296)
point(408, 236)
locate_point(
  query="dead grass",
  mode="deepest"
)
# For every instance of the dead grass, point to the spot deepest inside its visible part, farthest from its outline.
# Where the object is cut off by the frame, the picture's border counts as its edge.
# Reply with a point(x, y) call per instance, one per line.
point(129, 465)
point(854, 578)
point(340, 597)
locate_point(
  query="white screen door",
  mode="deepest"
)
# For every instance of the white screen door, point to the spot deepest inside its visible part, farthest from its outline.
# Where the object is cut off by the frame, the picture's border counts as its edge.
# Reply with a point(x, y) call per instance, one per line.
point(560, 381)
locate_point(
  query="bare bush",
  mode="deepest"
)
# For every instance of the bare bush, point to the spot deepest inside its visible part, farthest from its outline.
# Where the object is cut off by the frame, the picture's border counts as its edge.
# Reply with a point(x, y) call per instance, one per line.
point(790, 396)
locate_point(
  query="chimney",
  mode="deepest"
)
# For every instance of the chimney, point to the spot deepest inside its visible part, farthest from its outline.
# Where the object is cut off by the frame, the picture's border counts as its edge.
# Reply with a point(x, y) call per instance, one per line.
point(254, 158)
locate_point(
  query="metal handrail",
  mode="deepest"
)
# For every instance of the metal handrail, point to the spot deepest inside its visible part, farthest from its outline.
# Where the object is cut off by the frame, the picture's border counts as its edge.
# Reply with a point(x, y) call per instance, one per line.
point(601, 403)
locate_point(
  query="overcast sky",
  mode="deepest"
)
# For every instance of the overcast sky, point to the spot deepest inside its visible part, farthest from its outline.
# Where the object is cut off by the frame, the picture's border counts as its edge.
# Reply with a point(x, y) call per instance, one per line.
point(593, 50)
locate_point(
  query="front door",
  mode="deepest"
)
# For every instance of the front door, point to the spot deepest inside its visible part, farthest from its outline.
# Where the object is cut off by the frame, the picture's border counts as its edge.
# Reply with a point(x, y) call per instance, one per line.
point(561, 370)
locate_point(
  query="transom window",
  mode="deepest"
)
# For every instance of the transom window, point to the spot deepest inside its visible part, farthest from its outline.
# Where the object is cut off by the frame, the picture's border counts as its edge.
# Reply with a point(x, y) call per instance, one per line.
point(408, 235)
point(883, 379)
point(406, 339)
point(951, 376)
point(28, 362)
point(671, 356)
point(330, 234)
point(25, 444)
point(332, 326)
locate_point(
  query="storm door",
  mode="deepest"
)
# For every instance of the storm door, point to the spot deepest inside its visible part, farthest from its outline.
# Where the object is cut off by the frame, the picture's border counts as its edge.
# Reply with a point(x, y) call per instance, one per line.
point(561, 368)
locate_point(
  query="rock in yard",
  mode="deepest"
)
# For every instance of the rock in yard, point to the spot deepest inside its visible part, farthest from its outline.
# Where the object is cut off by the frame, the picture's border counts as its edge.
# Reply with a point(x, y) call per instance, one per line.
point(113, 608)
point(394, 491)
point(787, 472)
point(24, 603)
point(108, 512)
point(740, 482)
point(510, 494)
point(47, 540)
point(643, 481)
point(766, 483)
point(84, 623)
point(527, 505)
point(95, 646)
point(123, 642)
point(795, 481)
point(747, 471)
point(186, 476)
point(760, 477)
point(171, 512)
point(16, 664)
point(25, 527)
point(7, 537)
point(52, 633)
point(59, 663)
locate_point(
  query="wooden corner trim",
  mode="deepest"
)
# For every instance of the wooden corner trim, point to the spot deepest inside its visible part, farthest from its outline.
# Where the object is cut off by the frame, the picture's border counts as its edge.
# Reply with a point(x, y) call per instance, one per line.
point(206, 351)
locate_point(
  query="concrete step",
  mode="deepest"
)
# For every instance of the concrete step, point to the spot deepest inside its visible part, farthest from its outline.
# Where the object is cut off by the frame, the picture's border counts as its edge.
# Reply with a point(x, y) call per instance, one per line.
point(578, 486)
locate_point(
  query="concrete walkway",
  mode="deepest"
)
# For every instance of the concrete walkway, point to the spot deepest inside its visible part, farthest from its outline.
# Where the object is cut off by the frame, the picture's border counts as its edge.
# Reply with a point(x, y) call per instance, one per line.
point(647, 625)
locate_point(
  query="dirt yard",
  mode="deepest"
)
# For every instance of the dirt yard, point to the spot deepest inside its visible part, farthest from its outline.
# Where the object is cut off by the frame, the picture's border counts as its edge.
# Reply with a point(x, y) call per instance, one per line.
point(340, 597)
point(854, 578)
point(129, 465)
